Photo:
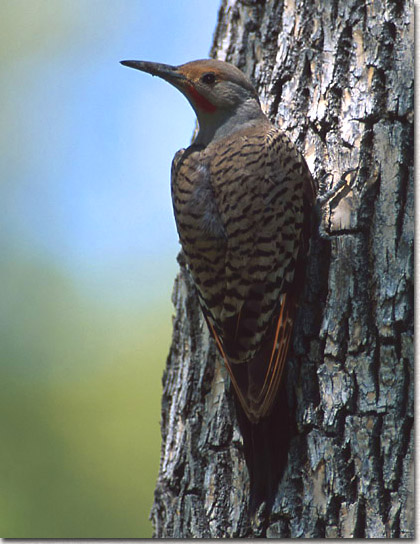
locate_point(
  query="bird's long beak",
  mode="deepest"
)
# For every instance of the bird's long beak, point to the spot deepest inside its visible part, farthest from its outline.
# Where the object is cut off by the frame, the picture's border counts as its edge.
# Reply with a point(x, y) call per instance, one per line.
point(165, 71)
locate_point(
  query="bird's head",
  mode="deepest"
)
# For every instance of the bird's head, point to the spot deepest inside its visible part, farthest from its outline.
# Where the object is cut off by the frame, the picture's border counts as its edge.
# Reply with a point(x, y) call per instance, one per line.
point(218, 92)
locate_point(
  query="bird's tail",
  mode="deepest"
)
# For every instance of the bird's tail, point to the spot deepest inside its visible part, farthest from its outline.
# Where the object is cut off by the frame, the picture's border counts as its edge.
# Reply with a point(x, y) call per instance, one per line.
point(262, 405)
point(266, 447)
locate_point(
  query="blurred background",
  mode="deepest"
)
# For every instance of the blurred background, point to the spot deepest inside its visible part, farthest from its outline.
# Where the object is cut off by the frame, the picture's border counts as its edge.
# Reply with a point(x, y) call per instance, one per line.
point(88, 256)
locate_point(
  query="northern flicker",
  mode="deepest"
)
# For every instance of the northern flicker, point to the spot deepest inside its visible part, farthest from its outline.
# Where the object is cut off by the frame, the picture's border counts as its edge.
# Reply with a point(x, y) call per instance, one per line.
point(242, 197)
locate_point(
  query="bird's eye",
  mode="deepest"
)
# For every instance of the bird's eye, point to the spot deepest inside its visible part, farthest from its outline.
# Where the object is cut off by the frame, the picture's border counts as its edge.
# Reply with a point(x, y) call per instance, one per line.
point(209, 78)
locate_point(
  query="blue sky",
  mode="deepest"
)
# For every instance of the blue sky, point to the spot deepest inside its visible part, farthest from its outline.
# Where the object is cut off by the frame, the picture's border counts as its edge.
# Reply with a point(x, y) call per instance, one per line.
point(88, 255)
point(86, 158)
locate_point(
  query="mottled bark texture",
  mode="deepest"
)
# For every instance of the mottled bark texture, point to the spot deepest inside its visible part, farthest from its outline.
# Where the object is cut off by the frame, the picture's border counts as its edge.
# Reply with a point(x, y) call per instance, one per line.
point(337, 75)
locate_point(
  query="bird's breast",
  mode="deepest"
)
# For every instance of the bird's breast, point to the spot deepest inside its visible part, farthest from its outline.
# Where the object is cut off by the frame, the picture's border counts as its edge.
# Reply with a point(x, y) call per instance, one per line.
point(200, 228)
point(195, 207)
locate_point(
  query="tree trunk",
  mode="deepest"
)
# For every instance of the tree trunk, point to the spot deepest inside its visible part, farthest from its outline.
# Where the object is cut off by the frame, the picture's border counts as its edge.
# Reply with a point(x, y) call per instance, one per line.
point(337, 75)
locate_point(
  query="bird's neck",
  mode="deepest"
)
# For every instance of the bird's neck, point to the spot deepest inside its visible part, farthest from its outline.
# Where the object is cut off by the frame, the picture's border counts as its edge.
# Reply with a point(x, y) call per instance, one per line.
point(222, 123)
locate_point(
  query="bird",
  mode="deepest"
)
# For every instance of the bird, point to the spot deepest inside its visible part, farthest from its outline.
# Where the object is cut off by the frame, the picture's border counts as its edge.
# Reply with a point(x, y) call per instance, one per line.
point(243, 198)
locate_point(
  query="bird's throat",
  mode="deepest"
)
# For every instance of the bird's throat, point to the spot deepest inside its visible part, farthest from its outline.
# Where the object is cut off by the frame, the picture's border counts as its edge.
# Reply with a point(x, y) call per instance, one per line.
point(224, 122)
point(199, 100)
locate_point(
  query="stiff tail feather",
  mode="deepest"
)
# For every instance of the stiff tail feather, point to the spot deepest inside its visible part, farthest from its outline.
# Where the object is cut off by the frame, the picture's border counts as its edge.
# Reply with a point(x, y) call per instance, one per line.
point(266, 448)
point(262, 407)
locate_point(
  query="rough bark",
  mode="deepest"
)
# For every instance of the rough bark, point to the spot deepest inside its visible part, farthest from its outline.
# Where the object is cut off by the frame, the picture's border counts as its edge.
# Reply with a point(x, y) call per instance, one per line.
point(337, 75)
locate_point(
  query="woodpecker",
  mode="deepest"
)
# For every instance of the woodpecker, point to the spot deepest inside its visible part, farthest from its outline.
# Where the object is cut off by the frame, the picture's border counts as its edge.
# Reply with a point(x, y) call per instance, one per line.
point(242, 197)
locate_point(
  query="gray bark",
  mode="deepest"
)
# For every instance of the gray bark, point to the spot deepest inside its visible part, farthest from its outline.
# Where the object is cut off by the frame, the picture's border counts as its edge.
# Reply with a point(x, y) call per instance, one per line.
point(337, 75)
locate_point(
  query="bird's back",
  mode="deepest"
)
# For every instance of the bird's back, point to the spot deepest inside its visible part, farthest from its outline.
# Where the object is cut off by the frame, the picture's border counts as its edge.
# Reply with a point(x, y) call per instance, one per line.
point(240, 210)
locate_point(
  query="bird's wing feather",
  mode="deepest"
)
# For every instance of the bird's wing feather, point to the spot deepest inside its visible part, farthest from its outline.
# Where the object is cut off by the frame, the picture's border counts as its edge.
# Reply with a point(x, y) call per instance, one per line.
point(239, 212)
point(262, 213)
point(256, 390)
point(261, 204)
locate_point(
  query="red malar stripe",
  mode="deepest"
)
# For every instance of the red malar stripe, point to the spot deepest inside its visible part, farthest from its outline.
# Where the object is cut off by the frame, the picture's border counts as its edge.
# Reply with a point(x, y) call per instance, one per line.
point(200, 101)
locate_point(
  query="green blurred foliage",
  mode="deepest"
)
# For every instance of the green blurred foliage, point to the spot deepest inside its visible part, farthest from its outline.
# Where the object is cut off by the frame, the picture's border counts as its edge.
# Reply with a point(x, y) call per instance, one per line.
point(80, 404)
